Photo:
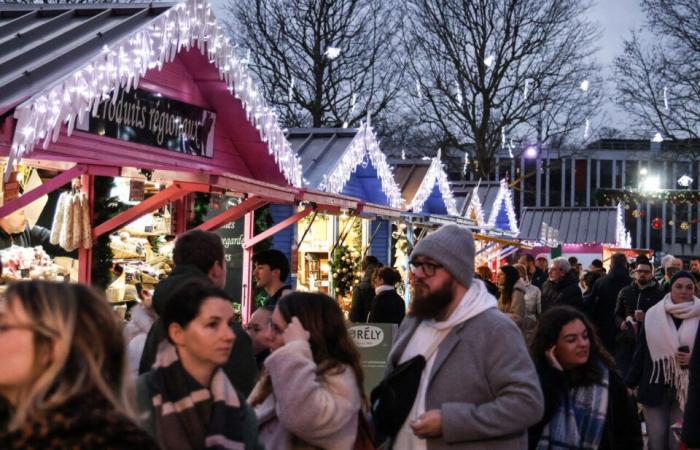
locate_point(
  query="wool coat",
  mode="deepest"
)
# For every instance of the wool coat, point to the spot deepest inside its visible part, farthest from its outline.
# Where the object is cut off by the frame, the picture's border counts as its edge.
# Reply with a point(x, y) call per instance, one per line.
point(563, 292)
point(483, 382)
point(387, 307)
point(306, 410)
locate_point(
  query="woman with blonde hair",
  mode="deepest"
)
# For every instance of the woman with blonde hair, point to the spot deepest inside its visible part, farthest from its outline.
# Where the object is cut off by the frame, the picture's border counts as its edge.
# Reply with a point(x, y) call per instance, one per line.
point(64, 370)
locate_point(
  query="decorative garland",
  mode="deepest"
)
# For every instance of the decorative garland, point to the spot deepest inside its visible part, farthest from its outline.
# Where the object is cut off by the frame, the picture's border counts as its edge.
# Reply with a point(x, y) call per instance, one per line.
point(436, 174)
point(344, 270)
point(105, 207)
point(363, 144)
point(186, 25)
point(675, 196)
point(475, 210)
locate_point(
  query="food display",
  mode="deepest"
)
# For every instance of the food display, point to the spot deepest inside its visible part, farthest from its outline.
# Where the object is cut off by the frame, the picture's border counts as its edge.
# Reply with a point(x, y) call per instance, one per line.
point(25, 263)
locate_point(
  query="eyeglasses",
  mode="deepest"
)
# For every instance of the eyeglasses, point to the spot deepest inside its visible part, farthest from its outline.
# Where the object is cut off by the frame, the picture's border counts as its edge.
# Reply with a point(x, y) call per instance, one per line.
point(427, 267)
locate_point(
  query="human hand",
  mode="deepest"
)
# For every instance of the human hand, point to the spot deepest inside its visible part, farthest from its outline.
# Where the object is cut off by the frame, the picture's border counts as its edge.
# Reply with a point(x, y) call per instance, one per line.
point(683, 358)
point(429, 424)
point(624, 326)
point(639, 315)
point(553, 359)
point(295, 332)
point(632, 392)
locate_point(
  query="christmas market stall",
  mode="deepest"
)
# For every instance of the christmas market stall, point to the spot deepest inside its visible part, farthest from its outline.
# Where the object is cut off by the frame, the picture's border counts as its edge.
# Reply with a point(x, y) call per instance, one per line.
point(327, 248)
point(581, 232)
point(488, 203)
point(129, 121)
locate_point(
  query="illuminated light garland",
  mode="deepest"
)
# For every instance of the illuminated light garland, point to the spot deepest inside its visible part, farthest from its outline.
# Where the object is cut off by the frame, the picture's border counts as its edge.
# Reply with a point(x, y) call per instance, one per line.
point(364, 144)
point(504, 195)
point(436, 174)
point(676, 196)
point(623, 237)
point(475, 210)
point(189, 24)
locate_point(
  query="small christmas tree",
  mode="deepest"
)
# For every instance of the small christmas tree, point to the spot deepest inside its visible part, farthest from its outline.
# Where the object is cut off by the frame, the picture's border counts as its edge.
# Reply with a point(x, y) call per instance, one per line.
point(343, 270)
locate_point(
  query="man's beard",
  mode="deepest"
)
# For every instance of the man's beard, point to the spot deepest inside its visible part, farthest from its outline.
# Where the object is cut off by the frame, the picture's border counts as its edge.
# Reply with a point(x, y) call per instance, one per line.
point(430, 305)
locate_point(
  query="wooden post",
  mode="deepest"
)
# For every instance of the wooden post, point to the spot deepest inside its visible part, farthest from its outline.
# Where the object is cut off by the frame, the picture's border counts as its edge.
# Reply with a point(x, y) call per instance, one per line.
point(85, 255)
point(247, 285)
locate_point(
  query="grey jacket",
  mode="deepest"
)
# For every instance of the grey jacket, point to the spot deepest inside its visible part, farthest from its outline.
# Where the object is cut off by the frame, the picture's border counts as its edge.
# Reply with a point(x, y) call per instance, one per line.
point(483, 381)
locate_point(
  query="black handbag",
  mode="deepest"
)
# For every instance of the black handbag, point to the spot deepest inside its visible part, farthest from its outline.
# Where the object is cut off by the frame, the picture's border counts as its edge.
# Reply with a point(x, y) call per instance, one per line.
point(392, 400)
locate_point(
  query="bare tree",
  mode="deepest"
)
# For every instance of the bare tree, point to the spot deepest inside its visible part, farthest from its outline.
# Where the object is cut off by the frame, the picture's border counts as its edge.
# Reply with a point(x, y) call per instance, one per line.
point(659, 84)
point(291, 45)
point(487, 72)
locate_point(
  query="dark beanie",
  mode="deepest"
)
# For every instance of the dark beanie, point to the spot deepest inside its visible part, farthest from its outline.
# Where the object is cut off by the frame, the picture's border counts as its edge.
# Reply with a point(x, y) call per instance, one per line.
point(682, 274)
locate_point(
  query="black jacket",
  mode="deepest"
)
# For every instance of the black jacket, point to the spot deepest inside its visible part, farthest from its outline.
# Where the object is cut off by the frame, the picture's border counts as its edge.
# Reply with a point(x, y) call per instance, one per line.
point(603, 302)
point(622, 429)
point(691, 419)
point(362, 296)
point(632, 298)
point(539, 277)
point(240, 368)
point(31, 237)
point(387, 307)
point(564, 292)
point(639, 375)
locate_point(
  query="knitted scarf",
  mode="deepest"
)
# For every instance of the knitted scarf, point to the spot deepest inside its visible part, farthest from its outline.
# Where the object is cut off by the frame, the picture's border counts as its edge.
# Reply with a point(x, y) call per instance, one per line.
point(663, 340)
point(189, 416)
point(578, 422)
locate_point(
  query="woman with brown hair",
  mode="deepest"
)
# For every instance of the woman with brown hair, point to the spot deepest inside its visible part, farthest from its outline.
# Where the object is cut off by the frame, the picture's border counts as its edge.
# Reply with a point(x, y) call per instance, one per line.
point(64, 371)
point(311, 392)
point(387, 306)
point(512, 298)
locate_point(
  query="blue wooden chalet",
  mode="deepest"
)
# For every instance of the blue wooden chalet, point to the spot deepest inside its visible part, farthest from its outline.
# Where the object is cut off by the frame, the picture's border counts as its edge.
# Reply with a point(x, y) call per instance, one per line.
point(344, 161)
point(488, 203)
point(425, 187)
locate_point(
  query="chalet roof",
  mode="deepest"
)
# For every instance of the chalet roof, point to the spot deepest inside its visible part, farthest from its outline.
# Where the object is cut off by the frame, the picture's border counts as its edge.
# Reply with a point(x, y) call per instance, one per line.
point(575, 225)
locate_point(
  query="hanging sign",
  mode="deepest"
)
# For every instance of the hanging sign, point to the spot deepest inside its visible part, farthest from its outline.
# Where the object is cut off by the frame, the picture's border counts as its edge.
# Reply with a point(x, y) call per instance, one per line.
point(149, 118)
point(136, 190)
point(373, 341)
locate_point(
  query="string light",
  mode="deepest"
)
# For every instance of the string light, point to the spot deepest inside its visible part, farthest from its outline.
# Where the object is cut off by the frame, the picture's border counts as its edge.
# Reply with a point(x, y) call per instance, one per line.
point(475, 210)
point(435, 175)
point(332, 52)
point(186, 25)
point(657, 138)
point(584, 85)
point(504, 196)
point(363, 144)
point(666, 99)
point(685, 181)
point(623, 237)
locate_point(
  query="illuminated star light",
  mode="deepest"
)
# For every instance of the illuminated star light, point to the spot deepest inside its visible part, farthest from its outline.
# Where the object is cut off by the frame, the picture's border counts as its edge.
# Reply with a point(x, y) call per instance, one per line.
point(584, 85)
point(685, 181)
point(657, 138)
point(489, 60)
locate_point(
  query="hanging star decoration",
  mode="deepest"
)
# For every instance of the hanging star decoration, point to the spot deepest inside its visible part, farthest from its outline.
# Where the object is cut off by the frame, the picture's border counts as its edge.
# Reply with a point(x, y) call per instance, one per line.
point(685, 181)
point(488, 61)
point(584, 85)
point(657, 138)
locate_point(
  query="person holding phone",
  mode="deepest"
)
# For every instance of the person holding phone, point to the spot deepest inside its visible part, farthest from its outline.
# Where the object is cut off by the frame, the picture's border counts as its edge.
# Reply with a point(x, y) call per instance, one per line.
point(660, 365)
point(586, 402)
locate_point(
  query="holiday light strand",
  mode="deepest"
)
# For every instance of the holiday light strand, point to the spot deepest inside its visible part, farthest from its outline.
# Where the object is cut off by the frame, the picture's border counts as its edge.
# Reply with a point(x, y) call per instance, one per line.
point(436, 174)
point(504, 195)
point(364, 144)
point(623, 237)
point(189, 24)
point(475, 209)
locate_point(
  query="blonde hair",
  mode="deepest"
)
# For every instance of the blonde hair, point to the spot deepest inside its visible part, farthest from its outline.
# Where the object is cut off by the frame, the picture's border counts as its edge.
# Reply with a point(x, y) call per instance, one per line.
point(523, 272)
point(78, 348)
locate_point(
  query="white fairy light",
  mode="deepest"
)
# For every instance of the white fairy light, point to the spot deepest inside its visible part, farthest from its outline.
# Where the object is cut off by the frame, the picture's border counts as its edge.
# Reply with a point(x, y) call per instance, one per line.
point(403, 154)
point(183, 27)
point(623, 237)
point(435, 175)
point(685, 181)
point(657, 138)
point(504, 196)
point(419, 91)
point(291, 88)
point(488, 61)
point(332, 52)
point(584, 85)
point(460, 98)
point(526, 90)
point(363, 145)
point(465, 168)
point(666, 99)
point(475, 210)
point(587, 130)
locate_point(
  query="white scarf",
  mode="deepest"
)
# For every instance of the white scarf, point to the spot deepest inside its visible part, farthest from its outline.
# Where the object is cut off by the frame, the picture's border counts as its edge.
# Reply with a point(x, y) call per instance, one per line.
point(383, 288)
point(425, 341)
point(663, 340)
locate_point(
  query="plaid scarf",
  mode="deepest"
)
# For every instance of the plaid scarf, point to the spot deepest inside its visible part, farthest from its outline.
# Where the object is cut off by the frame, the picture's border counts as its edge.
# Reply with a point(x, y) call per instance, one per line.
point(579, 420)
point(189, 416)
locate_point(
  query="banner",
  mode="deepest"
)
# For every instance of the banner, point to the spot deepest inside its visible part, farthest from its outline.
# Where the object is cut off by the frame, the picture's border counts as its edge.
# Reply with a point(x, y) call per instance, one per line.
point(374, 341)
point(149, 118)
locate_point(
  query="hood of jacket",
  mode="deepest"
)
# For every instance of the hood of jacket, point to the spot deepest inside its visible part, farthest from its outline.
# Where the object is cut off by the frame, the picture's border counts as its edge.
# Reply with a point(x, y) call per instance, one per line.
point(619, 273)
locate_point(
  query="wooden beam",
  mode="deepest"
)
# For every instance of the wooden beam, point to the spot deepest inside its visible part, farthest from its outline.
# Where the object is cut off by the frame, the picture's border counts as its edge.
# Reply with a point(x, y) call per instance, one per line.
point(278, 227)
point(250, 204)
point(172, 192)
point(45, 188)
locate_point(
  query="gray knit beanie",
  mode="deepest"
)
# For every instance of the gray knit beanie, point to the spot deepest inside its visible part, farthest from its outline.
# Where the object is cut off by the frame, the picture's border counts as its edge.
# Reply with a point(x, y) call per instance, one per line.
point(453, 247)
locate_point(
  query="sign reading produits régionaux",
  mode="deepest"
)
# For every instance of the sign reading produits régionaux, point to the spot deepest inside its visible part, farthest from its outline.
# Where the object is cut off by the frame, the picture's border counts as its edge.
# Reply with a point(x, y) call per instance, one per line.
point(149, 118)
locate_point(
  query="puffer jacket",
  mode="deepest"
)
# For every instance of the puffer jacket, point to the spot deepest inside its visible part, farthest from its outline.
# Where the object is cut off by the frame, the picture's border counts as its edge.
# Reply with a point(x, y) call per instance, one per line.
point(632, 298)
point(563, 292)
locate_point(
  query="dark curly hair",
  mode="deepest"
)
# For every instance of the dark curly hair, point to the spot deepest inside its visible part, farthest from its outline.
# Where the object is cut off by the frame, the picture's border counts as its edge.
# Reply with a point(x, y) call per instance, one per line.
point(550, 326)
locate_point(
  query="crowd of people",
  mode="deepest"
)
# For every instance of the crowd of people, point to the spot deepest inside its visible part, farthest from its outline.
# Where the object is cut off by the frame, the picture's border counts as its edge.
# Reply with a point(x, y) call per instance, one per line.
point(540, 355)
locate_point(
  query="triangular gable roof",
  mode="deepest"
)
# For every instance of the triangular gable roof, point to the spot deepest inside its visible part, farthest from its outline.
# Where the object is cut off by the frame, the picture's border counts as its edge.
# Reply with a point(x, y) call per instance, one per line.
point(330, 156)
point(112, 50)
point(418, 179)
point(503, 204)
point(480, 200)
point(594, 225)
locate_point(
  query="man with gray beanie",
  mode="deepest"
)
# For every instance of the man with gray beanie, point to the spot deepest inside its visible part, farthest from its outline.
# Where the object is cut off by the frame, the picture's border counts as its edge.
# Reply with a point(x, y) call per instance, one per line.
point(479, 388)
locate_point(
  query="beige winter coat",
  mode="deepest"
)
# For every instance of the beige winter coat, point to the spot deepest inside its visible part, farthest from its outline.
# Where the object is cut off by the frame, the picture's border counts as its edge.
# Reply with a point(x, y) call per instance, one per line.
point(307, 411)
point(517, 309)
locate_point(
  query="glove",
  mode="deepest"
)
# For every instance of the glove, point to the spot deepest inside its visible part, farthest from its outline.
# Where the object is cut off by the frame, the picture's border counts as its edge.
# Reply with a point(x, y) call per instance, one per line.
point(295, 332)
